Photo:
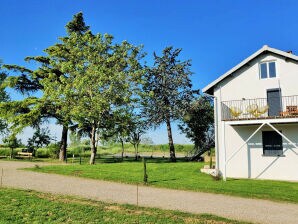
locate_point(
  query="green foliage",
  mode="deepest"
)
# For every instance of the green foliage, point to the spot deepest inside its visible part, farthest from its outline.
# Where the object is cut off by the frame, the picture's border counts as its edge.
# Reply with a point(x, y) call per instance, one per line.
point(79, 150)
point(102, 76)
point(3, 98)
point(198, 123)
point(53, 150)
point(167, 91)
point(21, 113)
point(168, 87)
point(7, 151)
point(41, 137)
point(12, 142)
point(137, 127)
point(77, 25)
point(75, 138)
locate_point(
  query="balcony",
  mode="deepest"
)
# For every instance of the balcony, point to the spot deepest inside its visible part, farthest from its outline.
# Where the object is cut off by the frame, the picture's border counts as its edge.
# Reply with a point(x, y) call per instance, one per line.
point(260, 108)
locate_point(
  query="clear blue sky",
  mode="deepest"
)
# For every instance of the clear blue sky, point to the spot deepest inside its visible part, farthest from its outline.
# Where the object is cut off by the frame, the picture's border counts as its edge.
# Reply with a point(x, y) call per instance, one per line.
point(216, 35)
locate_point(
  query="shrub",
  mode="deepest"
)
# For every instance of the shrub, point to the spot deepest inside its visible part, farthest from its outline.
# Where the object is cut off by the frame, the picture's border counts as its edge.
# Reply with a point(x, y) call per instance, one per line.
point(53, 150)
point(42, 153)
point(78, 150)
point(6, 151)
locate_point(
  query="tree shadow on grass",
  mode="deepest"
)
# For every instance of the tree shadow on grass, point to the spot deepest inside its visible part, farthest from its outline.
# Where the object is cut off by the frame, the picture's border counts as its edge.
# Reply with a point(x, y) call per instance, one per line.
point(165, 180)
point(133, 160)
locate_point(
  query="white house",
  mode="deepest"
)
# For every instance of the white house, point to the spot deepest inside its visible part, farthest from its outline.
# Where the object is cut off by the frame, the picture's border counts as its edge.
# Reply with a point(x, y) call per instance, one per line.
point(256, 117)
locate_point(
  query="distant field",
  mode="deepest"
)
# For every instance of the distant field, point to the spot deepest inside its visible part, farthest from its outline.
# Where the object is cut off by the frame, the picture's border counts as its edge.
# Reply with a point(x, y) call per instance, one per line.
point(179, 175)
point(18, 206)
point(162, 149)
point(111, 149)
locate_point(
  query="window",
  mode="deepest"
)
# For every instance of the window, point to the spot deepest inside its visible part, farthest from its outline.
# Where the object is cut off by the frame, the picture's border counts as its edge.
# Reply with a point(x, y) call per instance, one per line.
point(267, 70)
point(272, 143)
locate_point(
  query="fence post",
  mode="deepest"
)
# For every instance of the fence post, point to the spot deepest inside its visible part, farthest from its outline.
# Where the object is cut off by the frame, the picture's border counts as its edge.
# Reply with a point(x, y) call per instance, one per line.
point(145, 171)
point(138, 203)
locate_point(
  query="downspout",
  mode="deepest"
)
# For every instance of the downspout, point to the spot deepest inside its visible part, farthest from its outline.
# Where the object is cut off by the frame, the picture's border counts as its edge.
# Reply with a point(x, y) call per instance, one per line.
point(280, 100)
point(216, 130)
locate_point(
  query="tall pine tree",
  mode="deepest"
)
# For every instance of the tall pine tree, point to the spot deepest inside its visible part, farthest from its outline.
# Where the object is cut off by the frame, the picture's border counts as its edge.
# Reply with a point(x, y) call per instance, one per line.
point(168, 91)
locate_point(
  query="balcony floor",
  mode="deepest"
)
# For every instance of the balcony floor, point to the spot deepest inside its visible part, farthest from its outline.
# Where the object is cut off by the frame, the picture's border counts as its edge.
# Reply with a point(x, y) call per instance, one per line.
point(260, 120)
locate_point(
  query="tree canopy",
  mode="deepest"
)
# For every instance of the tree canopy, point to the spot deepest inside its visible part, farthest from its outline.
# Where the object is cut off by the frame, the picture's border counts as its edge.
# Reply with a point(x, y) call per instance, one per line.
point(91, 84)
point(198, 123)
point(168, 91)
point(100, 77)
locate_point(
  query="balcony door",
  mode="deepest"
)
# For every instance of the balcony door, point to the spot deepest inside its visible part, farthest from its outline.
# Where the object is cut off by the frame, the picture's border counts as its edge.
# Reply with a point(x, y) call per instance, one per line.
point(274, 102)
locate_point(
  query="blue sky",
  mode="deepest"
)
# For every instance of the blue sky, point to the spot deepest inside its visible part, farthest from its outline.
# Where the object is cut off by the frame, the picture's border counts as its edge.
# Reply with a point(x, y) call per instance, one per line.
point(216, 35)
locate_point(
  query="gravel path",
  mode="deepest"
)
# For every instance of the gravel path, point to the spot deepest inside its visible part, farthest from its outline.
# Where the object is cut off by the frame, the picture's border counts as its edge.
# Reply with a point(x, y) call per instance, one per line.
point(253, 210)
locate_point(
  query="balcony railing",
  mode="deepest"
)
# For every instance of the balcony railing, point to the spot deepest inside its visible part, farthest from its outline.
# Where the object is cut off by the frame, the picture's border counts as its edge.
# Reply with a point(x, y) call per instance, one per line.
point(260, 108)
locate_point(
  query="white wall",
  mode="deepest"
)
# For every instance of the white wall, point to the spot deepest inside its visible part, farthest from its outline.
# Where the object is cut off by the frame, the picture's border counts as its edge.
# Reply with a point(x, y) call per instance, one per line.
point(245, 83)
point(249, 162)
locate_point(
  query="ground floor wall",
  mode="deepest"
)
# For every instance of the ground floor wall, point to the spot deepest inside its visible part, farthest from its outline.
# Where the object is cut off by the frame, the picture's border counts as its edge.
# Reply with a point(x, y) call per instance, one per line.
point(250, 162)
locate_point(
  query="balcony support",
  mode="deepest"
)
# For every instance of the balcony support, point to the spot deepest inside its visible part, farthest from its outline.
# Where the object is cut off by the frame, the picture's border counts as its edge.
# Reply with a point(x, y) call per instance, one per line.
point(282, 135)
point(247, 140)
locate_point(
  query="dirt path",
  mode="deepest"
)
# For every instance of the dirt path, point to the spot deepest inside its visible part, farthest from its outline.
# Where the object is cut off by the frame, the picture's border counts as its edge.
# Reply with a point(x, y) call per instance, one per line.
point(253, 210)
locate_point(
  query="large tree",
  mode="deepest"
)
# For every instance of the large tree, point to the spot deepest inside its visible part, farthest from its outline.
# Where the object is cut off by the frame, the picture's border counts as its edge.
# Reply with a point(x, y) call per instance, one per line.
point(168, 91)
point(3, 98)
point(28, 81)
point(31, 110)
point(101, 77)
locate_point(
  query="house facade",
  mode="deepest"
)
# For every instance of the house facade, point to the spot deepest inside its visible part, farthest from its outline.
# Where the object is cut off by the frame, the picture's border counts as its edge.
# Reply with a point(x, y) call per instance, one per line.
point(256, 117)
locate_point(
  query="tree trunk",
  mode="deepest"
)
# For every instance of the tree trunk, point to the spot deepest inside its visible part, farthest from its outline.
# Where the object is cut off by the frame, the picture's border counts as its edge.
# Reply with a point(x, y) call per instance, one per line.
point(63, 147)
point(171, 143)
point(137, 147)
point(136, 152)
point(122, 146)
point(11, 153)
point(93, 145)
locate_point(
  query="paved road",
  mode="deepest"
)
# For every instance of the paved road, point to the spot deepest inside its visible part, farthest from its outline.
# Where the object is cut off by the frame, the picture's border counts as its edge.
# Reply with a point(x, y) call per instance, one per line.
point(253, 210)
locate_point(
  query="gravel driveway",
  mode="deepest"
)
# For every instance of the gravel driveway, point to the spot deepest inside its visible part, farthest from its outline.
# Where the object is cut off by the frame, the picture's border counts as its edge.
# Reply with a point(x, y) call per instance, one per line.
point(253, 210)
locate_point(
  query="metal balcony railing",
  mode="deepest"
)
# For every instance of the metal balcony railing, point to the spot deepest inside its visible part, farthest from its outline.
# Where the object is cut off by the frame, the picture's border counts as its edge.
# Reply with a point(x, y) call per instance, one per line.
point(260, 108)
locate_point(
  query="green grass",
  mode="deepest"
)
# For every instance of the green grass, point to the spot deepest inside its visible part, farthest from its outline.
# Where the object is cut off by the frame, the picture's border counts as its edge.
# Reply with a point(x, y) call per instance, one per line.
point(180, 175)
point(18, 206)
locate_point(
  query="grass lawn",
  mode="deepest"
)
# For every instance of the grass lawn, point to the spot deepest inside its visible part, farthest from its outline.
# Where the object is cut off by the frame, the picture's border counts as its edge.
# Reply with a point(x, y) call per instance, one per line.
point(179, 175)
point(18, 206)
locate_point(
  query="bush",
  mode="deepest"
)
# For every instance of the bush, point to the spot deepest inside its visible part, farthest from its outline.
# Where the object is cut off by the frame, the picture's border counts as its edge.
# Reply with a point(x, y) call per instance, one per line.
point(42, 153)
point(6, 151)
point(53, 150)
point(78, 150)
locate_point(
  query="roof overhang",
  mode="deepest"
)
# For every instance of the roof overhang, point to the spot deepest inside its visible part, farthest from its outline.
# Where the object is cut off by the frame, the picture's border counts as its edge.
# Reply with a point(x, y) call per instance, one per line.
point(209, 88)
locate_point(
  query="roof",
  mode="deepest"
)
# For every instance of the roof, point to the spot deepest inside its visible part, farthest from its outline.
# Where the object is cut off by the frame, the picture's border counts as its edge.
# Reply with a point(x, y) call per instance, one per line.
point(265, 48)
